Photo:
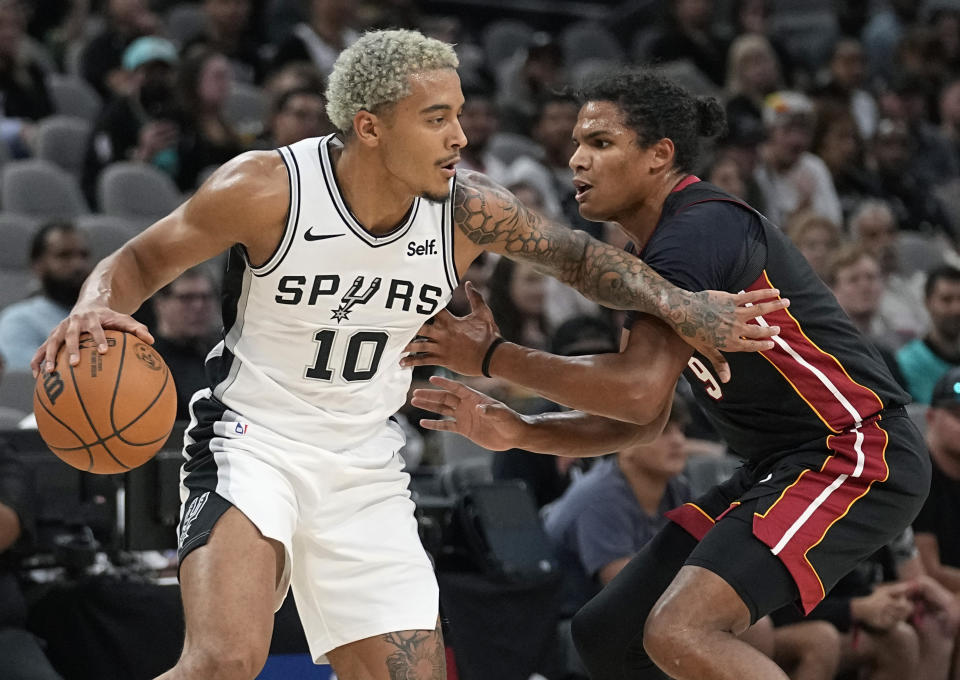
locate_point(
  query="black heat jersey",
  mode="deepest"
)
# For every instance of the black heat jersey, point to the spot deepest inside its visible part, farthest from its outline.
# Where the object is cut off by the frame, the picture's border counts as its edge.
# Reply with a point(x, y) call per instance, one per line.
point(821, 378)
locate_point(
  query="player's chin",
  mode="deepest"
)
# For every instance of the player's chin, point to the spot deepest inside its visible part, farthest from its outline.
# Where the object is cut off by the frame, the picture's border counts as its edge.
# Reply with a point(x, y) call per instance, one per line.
point(591, 211)
point(436, 194)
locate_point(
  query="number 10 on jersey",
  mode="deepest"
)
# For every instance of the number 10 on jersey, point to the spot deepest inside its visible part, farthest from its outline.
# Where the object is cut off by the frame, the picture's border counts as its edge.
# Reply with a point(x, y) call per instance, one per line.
point(360, 362)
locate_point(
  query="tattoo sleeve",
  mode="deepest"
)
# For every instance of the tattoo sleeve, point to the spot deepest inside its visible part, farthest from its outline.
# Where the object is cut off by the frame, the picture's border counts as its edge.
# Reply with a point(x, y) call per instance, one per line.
point(492, 217)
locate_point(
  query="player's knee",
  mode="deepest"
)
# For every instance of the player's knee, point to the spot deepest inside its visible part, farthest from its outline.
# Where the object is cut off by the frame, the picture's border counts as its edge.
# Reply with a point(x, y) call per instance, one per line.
point(229, 662)
point(666, 636)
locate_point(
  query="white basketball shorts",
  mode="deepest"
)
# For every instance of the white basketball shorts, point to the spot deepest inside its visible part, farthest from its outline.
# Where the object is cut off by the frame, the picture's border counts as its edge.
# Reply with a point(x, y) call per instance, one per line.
point(353, 555)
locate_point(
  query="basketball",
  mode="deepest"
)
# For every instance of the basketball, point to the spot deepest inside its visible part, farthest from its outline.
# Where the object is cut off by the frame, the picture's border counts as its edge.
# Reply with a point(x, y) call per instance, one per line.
point(111, 412)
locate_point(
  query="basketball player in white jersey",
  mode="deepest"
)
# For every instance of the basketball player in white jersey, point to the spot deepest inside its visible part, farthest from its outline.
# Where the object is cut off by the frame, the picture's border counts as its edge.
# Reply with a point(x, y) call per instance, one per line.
point(340, 249)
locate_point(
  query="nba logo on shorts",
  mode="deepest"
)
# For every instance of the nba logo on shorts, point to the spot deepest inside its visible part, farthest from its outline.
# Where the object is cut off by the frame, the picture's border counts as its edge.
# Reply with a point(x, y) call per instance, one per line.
point(191, 515)
point(241, 428)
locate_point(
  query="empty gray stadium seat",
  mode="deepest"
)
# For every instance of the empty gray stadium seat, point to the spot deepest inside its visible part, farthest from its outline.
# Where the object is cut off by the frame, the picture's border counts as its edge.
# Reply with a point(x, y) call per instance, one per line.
point(246, 109)
point(73, 96)
point(704, 472)
point(105, 234)
point(10, 418)
point(16, 234)
point(589, 40)
point(16, 390)
point(918, 252)
point(502, 38)
point(457, 477)
point(509, 146)
point(136, 191)
point(15, 285)
point(185, 22)
point(41, 189)
point(456, 449)
point(62, 140)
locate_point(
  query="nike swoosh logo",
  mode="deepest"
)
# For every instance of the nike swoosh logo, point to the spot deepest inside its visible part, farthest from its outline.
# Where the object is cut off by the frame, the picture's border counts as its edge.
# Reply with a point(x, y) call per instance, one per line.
point(318, 237)
point(767, 478)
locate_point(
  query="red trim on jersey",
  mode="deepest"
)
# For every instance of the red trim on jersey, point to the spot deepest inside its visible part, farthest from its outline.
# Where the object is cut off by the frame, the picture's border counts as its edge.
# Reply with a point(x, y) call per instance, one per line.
point(685, 182)
point(814, 374)
point(692, 519)
point(799, 520)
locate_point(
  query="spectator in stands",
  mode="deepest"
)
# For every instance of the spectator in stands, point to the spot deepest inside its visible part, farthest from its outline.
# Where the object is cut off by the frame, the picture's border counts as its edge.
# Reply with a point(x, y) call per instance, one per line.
point(551, 173)
point(937, 526)
point(740, 144)
point(526, 79)
point(204, 81)
point(22, 654)
point(689, 34)
point(548, 476)
point(924, 361)
point(186, 329)
point(101, 61)
point(144, 125)
point(321, 39)
point(293, 76)
point(480, 122)
point(896, 622)
point(950, 117)
point(517, 302)
point(604, 518)
point(23, 94)
point(816, 237)
point(944, 22)
point(910, 198)
point(725, 173)
point(855, 278)
point(882, 34)
point(839, 145)
point(61, 261)
point(874, 227)
point(297, 114)
point(227, 31)
point(791, 178)
point(753, 72)
point(753, 17)
point(845, 86)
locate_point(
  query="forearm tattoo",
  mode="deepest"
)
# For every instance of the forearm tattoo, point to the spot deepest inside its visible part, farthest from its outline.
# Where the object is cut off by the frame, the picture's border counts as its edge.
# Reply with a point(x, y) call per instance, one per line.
point(419, 655)
point(489, 215)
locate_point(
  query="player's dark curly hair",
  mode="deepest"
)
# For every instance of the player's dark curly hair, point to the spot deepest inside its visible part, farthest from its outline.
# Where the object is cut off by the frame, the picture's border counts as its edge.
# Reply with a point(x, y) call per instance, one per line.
point(656, 108)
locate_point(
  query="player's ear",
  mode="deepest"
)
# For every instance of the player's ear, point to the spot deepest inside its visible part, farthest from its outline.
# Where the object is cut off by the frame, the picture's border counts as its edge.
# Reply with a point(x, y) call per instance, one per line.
point(662, 156)
point(367, 127)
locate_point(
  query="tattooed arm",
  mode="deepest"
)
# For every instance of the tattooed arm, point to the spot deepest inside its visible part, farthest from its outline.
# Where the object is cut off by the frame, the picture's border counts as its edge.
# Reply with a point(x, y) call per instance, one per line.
point(494, 219)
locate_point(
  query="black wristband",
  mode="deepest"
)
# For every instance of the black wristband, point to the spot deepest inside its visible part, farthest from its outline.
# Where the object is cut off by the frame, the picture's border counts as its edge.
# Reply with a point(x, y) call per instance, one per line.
point(485, 366)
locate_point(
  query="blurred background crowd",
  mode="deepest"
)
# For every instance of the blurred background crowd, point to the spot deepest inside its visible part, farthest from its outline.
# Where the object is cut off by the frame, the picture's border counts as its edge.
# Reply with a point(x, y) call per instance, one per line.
point(843, 128)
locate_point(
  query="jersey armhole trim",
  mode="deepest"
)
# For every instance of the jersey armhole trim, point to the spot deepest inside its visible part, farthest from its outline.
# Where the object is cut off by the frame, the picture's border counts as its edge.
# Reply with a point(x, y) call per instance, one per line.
point(293, 217)
point(447, 233)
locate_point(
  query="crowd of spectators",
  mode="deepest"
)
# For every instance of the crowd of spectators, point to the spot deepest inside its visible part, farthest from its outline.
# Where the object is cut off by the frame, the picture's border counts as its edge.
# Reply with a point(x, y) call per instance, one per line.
point(843, 127)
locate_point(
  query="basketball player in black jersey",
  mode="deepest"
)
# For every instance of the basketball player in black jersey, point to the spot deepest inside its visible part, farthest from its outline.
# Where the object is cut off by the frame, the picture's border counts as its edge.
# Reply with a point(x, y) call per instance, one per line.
point(833, 467)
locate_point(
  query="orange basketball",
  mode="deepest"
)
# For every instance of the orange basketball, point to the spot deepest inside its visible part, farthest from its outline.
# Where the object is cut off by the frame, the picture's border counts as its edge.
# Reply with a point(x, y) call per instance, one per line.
point(111, 412)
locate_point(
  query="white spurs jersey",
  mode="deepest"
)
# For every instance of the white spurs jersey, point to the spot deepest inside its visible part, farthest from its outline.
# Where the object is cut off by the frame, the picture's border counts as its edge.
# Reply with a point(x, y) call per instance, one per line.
point(314, 336)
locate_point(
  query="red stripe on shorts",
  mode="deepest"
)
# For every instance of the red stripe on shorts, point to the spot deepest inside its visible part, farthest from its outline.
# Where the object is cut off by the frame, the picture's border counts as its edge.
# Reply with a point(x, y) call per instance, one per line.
point(800, 519)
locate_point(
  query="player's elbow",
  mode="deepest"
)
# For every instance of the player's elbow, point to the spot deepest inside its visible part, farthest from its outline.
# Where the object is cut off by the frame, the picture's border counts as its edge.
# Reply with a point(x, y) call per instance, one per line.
point(642, 405)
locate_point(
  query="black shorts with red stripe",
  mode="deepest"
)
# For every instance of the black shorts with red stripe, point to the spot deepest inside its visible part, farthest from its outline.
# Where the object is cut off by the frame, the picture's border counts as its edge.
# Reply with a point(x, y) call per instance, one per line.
point(789, 528)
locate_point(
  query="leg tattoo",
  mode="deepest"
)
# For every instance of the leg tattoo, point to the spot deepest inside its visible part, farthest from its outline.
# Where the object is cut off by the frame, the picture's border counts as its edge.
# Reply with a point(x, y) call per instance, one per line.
point(415, 657)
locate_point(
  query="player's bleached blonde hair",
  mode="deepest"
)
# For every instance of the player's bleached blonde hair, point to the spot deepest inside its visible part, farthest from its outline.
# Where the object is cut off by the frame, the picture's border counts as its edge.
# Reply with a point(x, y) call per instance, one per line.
point(374, 71)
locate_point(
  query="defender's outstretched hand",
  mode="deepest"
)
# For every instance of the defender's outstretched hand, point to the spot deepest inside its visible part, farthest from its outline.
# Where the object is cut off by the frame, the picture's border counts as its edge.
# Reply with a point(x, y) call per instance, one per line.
point(481, 419)
point(455, 342)
point(712, 320)
point(90, 319)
